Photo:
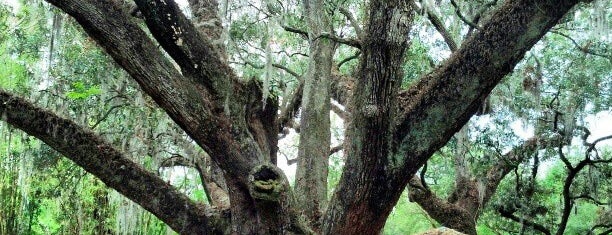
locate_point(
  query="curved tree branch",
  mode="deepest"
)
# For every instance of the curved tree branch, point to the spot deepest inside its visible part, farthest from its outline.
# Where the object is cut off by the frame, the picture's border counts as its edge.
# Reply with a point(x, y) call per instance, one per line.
point(440, 209)
point(195, 54)
point(487, 56)
point(462, 17)
point(353, 22)
point(99, 158)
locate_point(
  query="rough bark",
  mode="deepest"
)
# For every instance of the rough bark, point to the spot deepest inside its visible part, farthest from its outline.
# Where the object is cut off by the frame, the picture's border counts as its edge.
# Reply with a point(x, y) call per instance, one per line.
point(315, 133)
point(206, 19)
point(101, 159)
point(447, 214)
point(430, 112)
point(359, 204)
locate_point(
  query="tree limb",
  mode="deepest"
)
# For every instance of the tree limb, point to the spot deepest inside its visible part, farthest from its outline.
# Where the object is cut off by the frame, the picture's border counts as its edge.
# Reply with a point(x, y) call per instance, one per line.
point(420, 106)
point(188, 102)
point(195, 54)
point(335, 107)
point(441, 210)
point(99, 158)
point(347, 59)
point(431, 110)
point(336, 149)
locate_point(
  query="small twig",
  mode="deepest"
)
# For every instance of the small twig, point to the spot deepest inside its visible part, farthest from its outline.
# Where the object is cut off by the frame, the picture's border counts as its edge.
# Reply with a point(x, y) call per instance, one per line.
point(346, 41)
point(106, 115)
point(584, 49)
point(462, 17)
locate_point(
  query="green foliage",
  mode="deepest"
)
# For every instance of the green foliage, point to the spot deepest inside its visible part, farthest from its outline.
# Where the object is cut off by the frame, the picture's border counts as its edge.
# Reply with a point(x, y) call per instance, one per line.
point(80, 91)
point(417, 62)
point(13, 75)
point(408, 218)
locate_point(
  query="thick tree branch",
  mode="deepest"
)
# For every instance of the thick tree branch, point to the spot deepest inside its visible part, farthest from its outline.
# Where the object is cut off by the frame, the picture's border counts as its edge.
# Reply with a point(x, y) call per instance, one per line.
point(487, 57)
point(102, 160)
point(206, 99)
point(195, 54)
point(188, 103)
point(447, 214)
point(430, 111)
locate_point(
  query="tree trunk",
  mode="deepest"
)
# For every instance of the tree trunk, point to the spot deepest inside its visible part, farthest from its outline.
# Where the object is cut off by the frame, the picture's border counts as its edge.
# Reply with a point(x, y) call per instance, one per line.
point(360, 202)
point(430, 111)
point(313, 151)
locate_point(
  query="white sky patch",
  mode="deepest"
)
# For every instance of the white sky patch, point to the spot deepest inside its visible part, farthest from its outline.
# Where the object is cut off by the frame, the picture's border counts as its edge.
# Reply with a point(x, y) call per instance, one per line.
point(181, 3)
point(288, 151)
point(521, 130)
point(13, 3)
point(600, 125)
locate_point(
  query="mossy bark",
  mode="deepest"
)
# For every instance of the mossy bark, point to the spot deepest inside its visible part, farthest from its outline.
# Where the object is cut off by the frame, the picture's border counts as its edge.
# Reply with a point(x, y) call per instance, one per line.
point(313, 151)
